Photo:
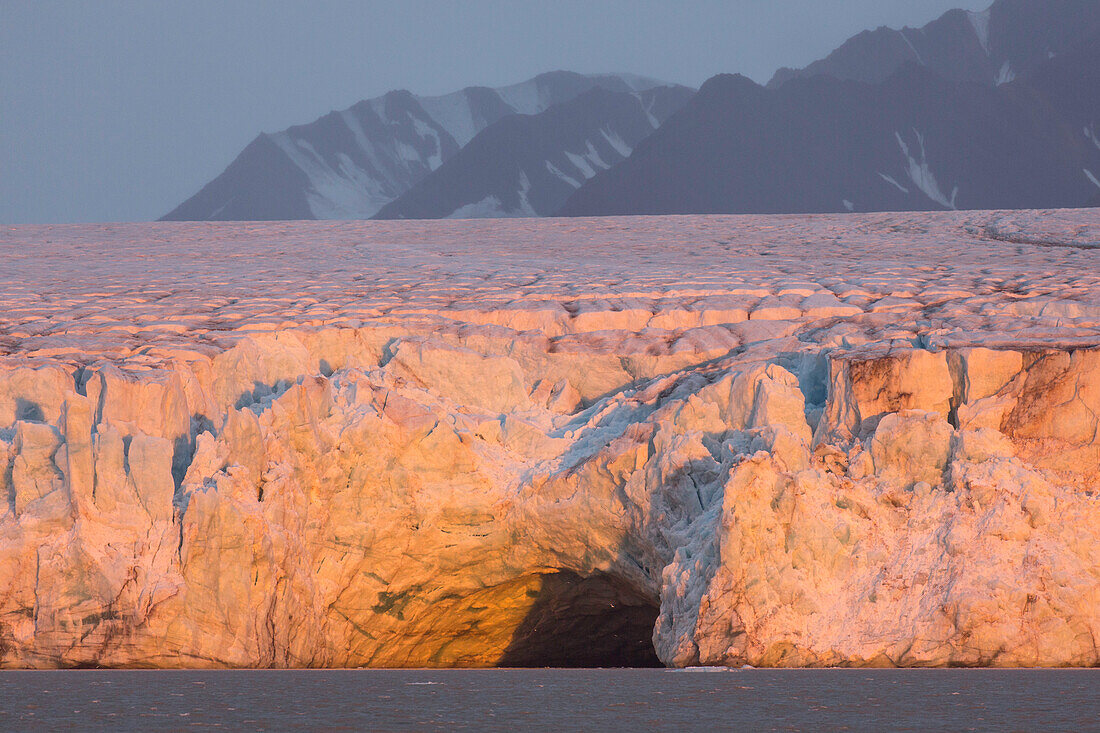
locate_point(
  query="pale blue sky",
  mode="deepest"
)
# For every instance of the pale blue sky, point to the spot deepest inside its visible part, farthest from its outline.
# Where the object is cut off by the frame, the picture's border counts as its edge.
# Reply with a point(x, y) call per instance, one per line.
point(115, 111)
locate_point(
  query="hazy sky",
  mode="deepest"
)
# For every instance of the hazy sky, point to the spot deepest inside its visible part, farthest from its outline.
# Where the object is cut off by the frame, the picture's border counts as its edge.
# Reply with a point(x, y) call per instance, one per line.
point(113, 111)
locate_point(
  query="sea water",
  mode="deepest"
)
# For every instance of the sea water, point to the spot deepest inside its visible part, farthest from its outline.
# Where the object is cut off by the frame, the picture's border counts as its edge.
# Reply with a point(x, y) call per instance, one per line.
point(710, 699)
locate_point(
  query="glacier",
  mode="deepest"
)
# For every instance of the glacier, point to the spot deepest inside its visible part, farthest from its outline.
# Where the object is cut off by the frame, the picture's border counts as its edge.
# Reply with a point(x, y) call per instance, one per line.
point(826, 440)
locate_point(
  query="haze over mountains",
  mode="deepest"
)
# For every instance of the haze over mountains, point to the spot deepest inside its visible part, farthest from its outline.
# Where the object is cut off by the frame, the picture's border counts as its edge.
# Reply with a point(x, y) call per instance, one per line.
point(349, 164)
point(528, 165)
point(998, 109)
point(1009, 38)
point(916, 142)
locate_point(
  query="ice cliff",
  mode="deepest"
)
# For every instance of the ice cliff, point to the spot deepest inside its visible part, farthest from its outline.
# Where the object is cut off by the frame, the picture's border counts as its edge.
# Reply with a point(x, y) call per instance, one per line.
point(864, 440)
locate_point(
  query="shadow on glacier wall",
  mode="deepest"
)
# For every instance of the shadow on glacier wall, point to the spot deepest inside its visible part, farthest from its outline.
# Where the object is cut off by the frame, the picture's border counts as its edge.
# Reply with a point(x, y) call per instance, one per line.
point(595, 621)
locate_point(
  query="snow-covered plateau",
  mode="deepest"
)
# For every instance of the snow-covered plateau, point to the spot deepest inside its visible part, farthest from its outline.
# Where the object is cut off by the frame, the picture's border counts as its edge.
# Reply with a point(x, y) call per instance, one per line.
point(765, 440)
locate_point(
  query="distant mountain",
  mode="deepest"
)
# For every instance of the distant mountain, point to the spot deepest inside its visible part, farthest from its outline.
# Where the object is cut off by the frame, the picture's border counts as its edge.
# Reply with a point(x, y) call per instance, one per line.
point(1009, 39)
point(916, 141)
point(351, 163)
point(995, 109)
point(528, 165)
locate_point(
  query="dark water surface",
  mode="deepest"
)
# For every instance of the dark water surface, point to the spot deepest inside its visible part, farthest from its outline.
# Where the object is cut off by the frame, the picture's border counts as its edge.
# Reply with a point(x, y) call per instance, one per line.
point(563, 700)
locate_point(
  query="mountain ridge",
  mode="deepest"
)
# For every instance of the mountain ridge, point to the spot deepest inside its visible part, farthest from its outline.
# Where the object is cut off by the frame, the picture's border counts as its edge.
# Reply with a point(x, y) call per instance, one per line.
point(973, 110)
point(527, 165)
point(993, 46)
point(818, 144)
point(355, 161)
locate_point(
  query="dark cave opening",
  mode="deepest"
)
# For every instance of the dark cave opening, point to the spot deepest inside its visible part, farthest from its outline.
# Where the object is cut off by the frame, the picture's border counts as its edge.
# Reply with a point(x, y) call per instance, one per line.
point(595, 621)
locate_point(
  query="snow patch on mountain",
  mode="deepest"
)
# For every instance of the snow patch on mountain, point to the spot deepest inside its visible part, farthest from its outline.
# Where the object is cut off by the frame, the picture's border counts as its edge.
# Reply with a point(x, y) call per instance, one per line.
point(592, 154)
point(921, 174)
point(360, 136)
point(333, 194)
point(589, 162)
point(1090, 134)
point(890, 180)
point(581, 164)
point(980, 22)
point(454, 114)
point(554, 170)
point(913, 48)
point(525, 98)
point(647, 107)
point(1091, 177)
point(489, 207)
point(221, 208)
point(378, 104)
point(637, 82)
point(426, 131)
point(525, 208)
point(406, 152)
point(1005, 75)
point(615, 141)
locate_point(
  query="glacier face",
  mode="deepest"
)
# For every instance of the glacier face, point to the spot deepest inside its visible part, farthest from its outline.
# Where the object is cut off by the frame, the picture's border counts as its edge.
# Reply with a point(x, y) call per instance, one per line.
point(478, 443)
